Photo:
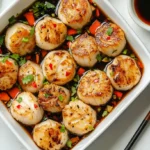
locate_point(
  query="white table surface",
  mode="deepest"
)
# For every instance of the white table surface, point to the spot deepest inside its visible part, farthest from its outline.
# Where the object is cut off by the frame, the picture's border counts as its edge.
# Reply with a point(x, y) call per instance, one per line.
point(119, 133)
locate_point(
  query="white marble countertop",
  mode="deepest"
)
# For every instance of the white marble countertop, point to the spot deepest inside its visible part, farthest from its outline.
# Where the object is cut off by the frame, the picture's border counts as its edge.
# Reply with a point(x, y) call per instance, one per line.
point(119, 133)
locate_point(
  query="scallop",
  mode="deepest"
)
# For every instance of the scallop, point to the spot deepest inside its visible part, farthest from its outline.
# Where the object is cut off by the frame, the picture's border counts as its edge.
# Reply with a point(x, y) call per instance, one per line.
point(59, 67)
point(19, 39)
point(26, 109)
point(53, 98)
point(78, 117)
point(110, 39)
point(8, 73)
point(47, 135)
point(31, 77)
point(95, 88)
point(75, 13)
point(85, 50)
point(123, 73)
point(50, 33)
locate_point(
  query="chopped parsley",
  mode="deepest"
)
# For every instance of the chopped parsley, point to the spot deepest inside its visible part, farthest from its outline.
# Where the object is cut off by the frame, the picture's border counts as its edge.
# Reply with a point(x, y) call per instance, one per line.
point(91, 128)
point(22, 61)
point(61, 98)
point(109, 31)
point(73, 99)
point(76, 78)
point(28, 79)
point(125, 52)
point(62, 129)
point(69, 143)
point(46, 95)
point(19, 100)
point(15, 56)
point(73, 91)
point(105, 113)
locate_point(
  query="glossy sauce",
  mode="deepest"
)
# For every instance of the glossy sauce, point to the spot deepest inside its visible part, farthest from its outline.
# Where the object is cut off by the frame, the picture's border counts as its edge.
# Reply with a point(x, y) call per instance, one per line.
point(142, 8)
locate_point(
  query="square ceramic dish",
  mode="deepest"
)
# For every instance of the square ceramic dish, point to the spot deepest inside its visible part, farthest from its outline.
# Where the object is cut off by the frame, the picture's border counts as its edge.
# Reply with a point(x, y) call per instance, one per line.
point(16, 7)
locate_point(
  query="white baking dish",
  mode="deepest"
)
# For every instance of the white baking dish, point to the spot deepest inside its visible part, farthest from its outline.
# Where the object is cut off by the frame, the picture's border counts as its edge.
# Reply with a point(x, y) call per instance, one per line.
point(17, 7)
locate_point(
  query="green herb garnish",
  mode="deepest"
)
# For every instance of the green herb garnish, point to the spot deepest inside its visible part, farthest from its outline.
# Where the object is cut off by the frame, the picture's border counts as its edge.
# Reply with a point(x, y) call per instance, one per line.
point(73, 99)
point(15, 56)
point(25, 39)
point(91, 128)
point(46, 95)
point(28, 79)
point(109, 31)
point(22, 61)
point(49, 5)
point(69, 38)
point(61, 98)
point(1, 40)
point(5, 58)
point(125, 52)
point(19, 100)
point(9, 104)
point(12, 20)
point(106, 59)
point(62, 129)
point(111, 74)
point(76, 78)
point(69, 143)
point(73, 91)
point(105, 113)
point(99, 58)
point(32, 31)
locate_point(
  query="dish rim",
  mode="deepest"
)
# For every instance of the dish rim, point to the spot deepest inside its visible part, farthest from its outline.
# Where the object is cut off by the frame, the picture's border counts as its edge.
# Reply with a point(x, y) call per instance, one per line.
point(96, 134)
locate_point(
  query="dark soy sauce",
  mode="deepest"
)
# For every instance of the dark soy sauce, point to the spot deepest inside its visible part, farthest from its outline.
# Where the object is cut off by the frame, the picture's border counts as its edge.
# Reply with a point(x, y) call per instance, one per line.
point(142, 8)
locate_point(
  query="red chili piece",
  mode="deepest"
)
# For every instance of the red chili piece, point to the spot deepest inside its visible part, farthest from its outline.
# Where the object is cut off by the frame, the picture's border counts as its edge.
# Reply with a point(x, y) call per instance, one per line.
point(68, 73)
point(108, 38)
point(35, 106)
point(34, 84)
point(51, 66)
point(55, 25)
point(18, 106)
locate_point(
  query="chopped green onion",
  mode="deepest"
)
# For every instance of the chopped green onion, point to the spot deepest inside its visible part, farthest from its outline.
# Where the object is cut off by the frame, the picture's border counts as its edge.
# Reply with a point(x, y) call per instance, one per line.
point(46, 95)
point(132, 55)
point(106, 59)
point(76, 78)
point(28, 79)
point(109, 108)
point(73, 99)
point(105, 113)
point(99, 58)
point(53, 15)
point(45, 118)
point(69, 38)
point(79, 31)
point(109, 31)
point(99, 109)
point(62, 129)
point(1, 40)
point(25, 39)
point(69, 143)
point(125, 52)
point(91, 128)
point(61, 98)
point(32, 31)
point(19, 100)
point(12, 20)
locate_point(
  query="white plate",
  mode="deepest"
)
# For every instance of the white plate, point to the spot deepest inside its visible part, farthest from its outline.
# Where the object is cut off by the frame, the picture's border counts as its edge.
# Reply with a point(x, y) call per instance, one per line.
point(17, 7)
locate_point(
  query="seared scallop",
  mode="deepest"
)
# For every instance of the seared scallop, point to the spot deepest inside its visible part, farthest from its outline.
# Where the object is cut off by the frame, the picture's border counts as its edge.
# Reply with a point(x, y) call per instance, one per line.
point(123, 73)
point(50, 33)
point(53, 98)
point(48, 136)
point(19, 39)
point(26, 109)
point(84, 50)
point(59, 67)
point(8, 73)
point(31, 77)
point(110, 39)
point(95, 88)
point(78, 117)
point(75, 13)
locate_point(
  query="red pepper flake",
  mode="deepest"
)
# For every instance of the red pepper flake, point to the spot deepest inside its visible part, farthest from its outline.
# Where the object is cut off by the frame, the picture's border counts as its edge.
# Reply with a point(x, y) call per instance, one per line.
point(34, 84)
point(8, 62)
point(43, 26)
point(35, 106)
point(68, 73)
point(18, 106)
point(108, 38)
point(55, 25)
point(51, 66)
point(0, 51)
point(97, 12)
